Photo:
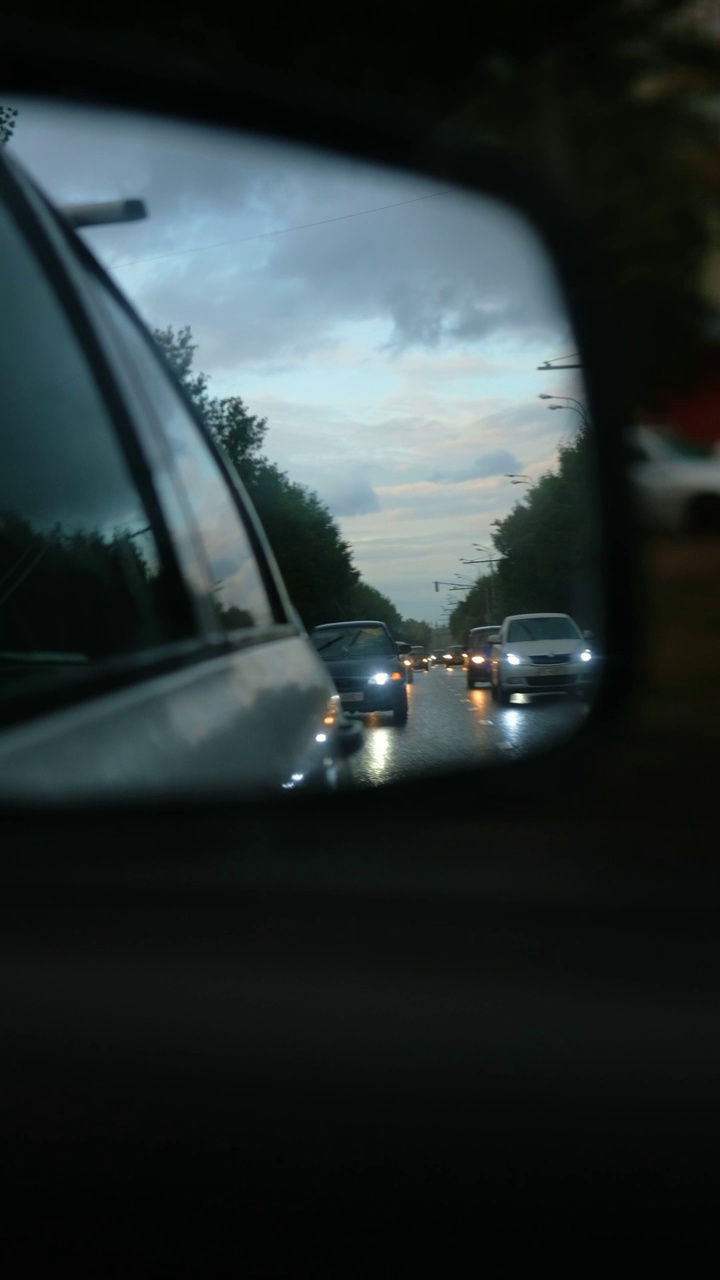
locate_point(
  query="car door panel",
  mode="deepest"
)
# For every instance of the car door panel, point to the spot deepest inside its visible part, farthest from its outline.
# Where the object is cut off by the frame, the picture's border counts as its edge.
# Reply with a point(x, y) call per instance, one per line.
point(244, 722)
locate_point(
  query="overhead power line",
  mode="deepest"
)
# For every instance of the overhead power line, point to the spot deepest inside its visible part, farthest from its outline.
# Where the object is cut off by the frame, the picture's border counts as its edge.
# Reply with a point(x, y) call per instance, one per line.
point(280, 231)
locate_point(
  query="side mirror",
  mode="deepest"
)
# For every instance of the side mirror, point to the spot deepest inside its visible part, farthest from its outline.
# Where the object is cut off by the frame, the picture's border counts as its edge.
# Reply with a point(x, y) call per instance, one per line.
point(488, 234)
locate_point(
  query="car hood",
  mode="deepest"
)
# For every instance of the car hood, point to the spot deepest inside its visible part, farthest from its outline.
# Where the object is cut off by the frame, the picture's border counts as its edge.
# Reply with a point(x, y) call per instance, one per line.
point(531, 647)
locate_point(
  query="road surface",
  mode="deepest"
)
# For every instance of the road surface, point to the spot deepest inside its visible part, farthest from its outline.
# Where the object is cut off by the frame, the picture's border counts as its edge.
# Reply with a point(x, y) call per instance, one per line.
point(449, 724)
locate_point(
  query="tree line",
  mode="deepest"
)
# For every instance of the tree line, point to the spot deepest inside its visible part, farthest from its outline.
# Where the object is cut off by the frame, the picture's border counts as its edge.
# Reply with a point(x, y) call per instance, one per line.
point(548, 549)
point(316, 562)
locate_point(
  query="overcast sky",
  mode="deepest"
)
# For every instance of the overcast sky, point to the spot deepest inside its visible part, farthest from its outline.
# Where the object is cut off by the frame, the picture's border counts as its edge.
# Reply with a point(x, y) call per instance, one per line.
point(388, 327)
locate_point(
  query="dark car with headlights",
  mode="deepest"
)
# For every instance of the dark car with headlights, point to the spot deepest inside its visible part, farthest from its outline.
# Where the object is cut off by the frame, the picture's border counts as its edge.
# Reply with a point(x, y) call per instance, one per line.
point(479, 653)
point(406, 662)
point(366, 665)
point(419, 657)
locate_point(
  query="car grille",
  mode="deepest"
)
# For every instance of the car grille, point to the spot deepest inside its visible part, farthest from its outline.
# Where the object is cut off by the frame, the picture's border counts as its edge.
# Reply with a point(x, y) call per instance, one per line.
point(541, 659)
point(542, 682)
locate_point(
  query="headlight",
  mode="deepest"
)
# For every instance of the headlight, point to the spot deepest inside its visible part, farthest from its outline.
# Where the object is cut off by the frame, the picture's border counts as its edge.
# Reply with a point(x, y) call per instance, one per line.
point(477, 657)
point(513, 659)
point(380, 677)
point(447, 657)
point(586, 655)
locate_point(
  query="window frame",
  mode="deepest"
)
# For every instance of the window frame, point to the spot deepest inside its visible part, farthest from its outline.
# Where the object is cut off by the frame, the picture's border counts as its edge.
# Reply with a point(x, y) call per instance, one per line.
point(37, 225)
point(118, 353)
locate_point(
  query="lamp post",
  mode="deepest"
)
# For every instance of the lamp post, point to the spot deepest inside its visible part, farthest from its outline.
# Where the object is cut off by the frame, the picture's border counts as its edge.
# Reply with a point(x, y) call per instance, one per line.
point(488, 581)
point(516, 477)
point(453, 586)
point(553, 365)
point(488, 552)
point(576, 405)
point(490, 587)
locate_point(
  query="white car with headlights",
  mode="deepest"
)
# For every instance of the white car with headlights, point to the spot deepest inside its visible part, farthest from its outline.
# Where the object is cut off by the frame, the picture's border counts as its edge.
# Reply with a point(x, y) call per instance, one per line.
point(676, 483)
point(539, 653)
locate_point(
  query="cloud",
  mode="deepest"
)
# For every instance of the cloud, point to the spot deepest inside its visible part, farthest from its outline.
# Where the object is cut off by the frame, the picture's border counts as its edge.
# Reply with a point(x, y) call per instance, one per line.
point(349, 495)
point(497, 463)
point(390, 334)
point(266, 248)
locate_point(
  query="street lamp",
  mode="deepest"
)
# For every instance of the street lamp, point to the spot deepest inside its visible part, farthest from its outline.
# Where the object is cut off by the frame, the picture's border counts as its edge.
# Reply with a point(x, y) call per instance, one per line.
point(576, 405)
point(516, 477)
point(488, 552)
point(545, 395)
point(572, 409)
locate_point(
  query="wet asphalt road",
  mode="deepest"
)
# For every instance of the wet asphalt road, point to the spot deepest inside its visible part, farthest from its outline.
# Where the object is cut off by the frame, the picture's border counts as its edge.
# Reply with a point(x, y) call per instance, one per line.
point(449, 724)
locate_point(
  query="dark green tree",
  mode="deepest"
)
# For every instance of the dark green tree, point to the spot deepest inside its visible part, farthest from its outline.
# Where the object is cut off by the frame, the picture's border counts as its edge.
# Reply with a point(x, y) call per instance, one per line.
point(8, 119)
point(476, 609)
point(179, 349)
point(239, 432)
point(417, 632)
point(368, 602)
point(315, 561)
point(548, 544)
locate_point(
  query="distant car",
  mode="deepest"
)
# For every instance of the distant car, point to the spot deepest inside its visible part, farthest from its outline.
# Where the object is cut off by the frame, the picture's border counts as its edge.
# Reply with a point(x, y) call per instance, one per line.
point(479, 653)
point(407, 666)
point(540, 653)
point(365, 665)
point(454, 656)
point(406, 661)
point(419, 657)
point(676, 483)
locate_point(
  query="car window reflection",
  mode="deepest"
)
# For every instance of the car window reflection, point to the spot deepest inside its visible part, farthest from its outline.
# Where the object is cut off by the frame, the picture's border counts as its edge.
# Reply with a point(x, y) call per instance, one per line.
point(81, 576)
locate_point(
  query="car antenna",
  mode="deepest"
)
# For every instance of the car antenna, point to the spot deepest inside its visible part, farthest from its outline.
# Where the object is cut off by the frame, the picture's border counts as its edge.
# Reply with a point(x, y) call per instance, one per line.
point(98, 213)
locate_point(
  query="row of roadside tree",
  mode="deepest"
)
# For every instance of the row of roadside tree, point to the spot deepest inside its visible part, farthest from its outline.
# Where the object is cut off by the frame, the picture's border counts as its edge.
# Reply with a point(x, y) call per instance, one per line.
point(547, 549)
point(315, 561)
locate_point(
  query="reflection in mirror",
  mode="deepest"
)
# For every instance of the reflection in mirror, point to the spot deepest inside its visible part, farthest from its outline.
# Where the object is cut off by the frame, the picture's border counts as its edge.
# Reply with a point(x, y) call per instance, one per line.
point(388, 364)
point(82, 580)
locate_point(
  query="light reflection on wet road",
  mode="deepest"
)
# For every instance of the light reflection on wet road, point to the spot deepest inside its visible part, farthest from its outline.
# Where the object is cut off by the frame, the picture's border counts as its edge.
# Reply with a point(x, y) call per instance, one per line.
point(449, 724)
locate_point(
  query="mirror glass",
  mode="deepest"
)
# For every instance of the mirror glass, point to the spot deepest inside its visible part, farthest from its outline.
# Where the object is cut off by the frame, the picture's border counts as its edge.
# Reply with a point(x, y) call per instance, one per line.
point(388, 362)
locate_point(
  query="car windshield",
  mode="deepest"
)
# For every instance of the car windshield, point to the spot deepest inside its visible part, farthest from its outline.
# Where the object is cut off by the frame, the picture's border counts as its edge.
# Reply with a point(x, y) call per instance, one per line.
point(479, 637)
point(547, 628)
point(352, 642)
